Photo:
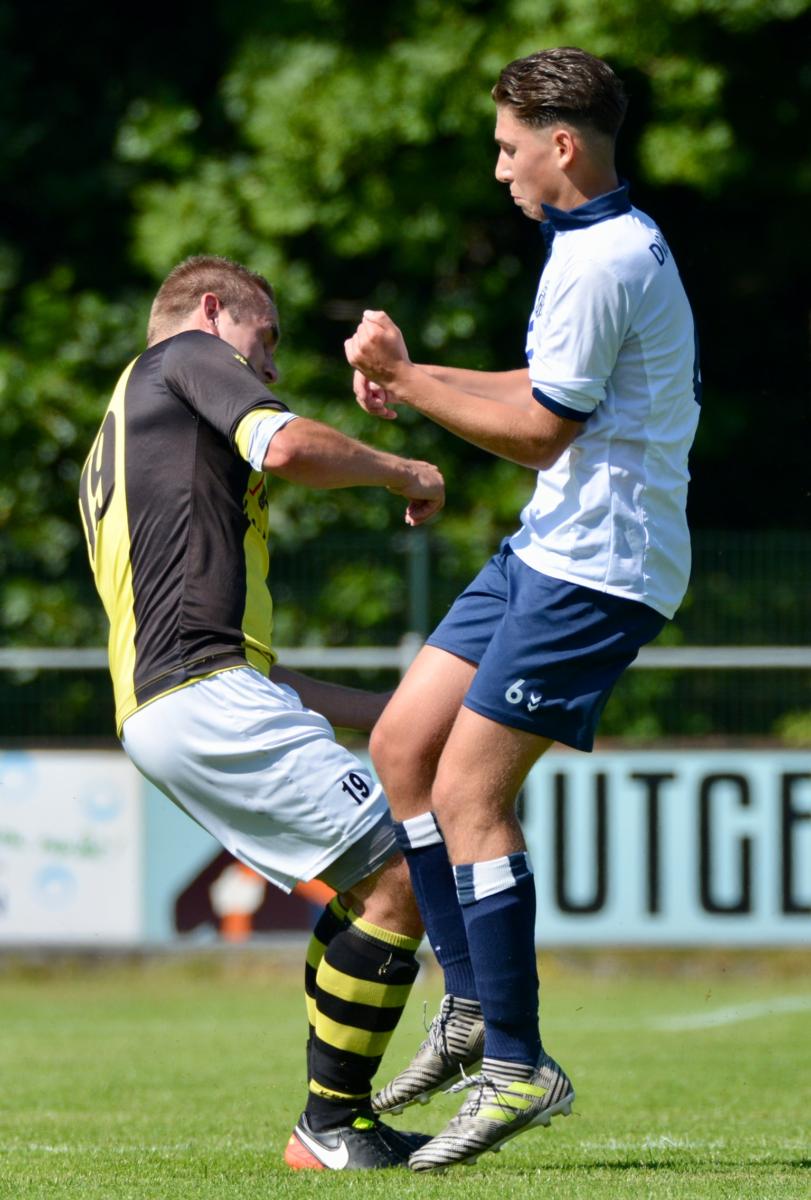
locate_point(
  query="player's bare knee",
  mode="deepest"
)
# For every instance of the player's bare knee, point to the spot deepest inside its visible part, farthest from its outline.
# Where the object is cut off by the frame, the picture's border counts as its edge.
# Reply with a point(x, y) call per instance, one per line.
point(463, 813)
point(392, 746)
point(380, 742)
point(405, 767)
point(452, 817)
point(386, 898)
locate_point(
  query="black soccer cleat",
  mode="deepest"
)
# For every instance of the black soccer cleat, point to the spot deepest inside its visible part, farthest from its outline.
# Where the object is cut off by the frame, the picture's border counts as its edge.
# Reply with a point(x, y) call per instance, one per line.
point(365, 1145)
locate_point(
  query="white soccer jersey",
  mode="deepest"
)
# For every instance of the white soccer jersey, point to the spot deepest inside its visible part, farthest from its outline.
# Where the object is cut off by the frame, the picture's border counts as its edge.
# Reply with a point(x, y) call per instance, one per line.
point(611, 343)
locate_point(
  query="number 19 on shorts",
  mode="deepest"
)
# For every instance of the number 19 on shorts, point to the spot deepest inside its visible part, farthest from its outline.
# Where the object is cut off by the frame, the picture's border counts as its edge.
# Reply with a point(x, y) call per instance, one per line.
point(356, 787)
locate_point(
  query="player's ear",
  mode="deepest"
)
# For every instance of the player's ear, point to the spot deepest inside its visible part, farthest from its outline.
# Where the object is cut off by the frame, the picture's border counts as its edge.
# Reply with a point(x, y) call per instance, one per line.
point(565, 145)
point(211, 306)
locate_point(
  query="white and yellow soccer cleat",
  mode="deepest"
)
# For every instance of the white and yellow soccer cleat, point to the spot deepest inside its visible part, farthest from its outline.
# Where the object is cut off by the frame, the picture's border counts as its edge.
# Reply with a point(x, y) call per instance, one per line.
point(454, 1044)
point(492, 1115)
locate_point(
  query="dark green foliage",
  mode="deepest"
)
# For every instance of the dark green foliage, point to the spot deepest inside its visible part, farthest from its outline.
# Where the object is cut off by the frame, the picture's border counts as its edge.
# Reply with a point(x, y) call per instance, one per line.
point(346, 150)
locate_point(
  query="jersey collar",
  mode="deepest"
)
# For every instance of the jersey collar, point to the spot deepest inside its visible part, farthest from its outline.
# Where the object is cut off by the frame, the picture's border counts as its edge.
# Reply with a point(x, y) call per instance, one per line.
point(601, 208)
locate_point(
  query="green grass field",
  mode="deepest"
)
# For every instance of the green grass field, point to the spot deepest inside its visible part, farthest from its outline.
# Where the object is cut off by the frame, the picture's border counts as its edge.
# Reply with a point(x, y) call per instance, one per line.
point(182, 1078)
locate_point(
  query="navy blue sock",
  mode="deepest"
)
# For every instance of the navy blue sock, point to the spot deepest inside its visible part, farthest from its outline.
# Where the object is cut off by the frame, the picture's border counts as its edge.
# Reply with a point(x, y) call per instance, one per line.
point(421, 841)
point(498, 905)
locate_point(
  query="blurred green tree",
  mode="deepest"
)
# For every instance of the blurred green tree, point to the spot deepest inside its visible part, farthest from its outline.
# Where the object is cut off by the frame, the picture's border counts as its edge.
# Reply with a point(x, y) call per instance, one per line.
point(345, 149)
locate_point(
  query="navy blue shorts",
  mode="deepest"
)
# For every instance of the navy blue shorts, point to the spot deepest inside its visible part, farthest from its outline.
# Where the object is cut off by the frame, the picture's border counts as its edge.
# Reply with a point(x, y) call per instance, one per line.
point(548, 652)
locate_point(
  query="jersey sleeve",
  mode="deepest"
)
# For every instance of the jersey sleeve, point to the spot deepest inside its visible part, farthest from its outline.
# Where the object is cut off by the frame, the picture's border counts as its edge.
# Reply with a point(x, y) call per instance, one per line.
point(256, 431)
point(576, 339)
point(215, 381)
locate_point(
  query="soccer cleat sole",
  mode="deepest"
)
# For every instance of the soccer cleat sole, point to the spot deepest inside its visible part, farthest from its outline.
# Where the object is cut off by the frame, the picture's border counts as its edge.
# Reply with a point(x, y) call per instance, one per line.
point(425, 1097)
point(366, 1145)
point(299, 1158)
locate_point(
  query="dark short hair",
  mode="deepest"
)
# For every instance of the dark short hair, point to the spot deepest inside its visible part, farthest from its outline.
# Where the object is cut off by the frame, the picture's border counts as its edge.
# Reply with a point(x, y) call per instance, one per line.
point(237, 289)
point(565, 84)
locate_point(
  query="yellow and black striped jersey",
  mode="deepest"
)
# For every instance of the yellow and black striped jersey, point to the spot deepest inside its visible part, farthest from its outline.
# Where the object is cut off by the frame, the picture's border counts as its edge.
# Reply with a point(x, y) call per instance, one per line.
point(176, 520)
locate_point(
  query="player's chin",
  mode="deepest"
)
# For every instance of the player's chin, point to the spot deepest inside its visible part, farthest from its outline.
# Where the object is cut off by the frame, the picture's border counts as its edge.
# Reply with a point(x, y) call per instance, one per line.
point(528, 208)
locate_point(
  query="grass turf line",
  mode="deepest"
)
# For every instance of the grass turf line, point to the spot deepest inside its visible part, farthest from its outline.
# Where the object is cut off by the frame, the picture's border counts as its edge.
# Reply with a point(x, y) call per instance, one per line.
point(176, 1080)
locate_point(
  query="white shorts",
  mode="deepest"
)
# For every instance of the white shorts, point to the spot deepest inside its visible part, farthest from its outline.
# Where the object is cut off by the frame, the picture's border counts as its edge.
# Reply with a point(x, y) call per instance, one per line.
point(265, 776)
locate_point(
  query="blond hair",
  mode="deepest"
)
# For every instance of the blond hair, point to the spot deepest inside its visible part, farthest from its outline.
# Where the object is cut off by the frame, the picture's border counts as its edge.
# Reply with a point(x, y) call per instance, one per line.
point(238, 289)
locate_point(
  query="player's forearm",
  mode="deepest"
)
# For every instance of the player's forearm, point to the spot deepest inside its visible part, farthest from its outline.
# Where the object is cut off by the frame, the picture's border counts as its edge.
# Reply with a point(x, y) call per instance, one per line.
point(316, 455)
point(350, 708)
point(511, 431)
point(508, 387)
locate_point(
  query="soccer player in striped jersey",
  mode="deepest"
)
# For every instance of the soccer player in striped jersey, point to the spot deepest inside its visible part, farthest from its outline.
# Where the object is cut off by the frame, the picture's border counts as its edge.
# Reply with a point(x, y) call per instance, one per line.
point(173, 499)
point(605, 410)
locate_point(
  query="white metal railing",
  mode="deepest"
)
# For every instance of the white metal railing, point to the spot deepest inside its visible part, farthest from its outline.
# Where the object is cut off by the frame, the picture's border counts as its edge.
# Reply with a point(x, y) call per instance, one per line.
point(399, 657)
point(701, 658)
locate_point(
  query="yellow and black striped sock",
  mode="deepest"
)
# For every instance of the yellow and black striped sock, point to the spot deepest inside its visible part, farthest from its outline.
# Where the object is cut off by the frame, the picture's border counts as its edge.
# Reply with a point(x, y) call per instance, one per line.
point(333, 919)
point(362, 984)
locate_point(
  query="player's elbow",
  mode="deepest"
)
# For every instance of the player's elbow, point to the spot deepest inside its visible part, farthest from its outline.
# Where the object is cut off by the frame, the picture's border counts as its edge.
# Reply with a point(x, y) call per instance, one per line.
point(278, 460)
point(547, 438)
point(541, 455)
point(285, 450)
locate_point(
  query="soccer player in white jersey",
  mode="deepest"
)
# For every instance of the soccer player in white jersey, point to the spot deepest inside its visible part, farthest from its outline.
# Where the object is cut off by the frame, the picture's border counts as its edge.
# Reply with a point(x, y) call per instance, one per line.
point(605, 410)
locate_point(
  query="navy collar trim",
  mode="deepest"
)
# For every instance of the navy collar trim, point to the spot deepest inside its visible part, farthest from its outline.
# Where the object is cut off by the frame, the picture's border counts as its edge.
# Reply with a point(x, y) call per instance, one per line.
point(601, 208)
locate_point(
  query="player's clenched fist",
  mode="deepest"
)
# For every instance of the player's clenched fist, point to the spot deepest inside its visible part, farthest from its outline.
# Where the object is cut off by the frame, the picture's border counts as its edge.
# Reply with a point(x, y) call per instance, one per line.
point(377, 348)
point(423, 487)
point(372, 397)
